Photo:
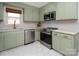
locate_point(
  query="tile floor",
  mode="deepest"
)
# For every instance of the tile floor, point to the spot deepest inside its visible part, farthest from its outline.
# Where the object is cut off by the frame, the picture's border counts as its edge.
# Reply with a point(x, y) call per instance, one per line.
point(33, 49)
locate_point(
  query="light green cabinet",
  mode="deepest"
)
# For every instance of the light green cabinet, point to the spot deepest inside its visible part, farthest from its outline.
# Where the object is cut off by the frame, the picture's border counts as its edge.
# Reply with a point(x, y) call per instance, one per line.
point(31, 13)
point(28, 13)
point(1, 41)
point(35, 14)
point(20, 38)
point(50, 7)
point(37, 35)
point(67, 44)
point(56, 41)
point(64, 43)
point(41, 14)
point(66, 10)
point(10, 40)
point(1, 11)
point(47, 8)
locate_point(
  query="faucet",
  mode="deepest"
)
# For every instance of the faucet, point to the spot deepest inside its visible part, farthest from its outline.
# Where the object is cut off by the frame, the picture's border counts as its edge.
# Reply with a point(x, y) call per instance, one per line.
point(14, 25)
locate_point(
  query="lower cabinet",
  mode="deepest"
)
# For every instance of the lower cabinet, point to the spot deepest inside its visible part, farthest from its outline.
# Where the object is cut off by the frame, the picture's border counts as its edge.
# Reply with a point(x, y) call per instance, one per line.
point(20, 38)
point(64, 43)
point(56, 41)
point(11, 39)
point(1, 41)
point(37, 35)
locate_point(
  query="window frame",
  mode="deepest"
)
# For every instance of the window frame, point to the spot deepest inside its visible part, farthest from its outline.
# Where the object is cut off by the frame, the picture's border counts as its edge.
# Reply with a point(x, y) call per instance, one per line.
point(16, 17)
point(6, 16)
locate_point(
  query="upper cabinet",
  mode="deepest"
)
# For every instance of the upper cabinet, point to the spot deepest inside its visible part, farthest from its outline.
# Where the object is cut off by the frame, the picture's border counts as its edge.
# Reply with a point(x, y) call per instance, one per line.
point(66, 10)
point(50, 7)
point(41, 14)
point(31, 13)
point(78, 10)
point(28, 13)
point(35, 14)
point(1, 11)
point(46, 9)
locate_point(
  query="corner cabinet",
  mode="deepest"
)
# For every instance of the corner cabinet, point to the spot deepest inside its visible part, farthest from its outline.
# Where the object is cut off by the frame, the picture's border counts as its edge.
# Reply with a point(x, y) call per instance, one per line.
point(66, 10)
point(65, 43)
point(31, 13)
point(1, 11)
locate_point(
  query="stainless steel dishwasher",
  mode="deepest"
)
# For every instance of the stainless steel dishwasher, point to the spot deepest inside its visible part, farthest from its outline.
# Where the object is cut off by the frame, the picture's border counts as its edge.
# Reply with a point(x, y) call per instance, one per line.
point(29, 36)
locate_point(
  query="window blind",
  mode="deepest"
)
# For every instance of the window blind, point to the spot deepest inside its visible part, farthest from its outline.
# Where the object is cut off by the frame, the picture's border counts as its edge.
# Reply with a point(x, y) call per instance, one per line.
point(13, 10)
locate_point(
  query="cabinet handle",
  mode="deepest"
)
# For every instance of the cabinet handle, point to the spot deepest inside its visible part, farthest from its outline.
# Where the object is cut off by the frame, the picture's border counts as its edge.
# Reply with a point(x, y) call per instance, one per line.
point(67, 37)
point(55, 34)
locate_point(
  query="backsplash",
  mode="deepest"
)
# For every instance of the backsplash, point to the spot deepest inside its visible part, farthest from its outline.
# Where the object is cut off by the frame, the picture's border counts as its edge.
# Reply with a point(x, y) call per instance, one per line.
point(66, 25)
point(24, 26)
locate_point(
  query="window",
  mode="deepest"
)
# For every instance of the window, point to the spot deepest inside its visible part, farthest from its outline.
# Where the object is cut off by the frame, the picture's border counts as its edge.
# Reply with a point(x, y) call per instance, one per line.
point(13, 16)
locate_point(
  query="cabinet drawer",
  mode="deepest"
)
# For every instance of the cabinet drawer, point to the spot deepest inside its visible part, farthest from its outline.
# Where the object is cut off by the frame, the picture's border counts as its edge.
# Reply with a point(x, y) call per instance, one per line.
point(67, 36)
point(55, 34)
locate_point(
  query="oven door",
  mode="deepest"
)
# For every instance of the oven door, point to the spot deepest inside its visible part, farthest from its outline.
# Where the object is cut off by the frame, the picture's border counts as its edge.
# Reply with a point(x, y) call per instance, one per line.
point(46, 37)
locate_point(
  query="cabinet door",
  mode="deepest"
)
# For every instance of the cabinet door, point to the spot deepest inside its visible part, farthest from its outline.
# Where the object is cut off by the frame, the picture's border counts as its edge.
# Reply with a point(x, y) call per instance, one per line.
point(42, 14)
point(50, 7)
point(10, 40)
point(37, 35)
point(1, 42)
point(35, 14)
point(1, 11)
point(56, 41)
point(67, 45)
point(28, 13)
point(66, 11)
point(20, 38)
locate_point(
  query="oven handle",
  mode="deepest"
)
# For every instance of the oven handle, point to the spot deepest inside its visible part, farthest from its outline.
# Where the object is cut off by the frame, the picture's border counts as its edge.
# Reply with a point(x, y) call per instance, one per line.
point(46, 33)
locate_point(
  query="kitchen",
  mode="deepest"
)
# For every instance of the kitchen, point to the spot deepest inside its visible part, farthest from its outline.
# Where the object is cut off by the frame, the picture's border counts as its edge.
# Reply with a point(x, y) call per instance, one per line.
point(54, 25)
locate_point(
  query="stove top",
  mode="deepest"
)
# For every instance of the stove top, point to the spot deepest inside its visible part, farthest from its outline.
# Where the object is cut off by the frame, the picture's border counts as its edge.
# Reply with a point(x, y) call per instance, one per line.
point(49, 29)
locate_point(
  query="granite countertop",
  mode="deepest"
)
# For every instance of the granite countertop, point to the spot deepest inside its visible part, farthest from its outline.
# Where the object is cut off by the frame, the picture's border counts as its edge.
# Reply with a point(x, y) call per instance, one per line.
point(67, 31)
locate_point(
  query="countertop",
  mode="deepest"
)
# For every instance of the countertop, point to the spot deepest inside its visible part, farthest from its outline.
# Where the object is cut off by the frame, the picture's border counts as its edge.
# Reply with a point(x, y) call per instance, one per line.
point(9, 30)
point(67, 31)
point(19, 29)
point(59, 30)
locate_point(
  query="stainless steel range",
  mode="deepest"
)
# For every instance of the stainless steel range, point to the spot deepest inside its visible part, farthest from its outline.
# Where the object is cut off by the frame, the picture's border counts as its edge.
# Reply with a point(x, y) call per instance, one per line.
point(46, 36)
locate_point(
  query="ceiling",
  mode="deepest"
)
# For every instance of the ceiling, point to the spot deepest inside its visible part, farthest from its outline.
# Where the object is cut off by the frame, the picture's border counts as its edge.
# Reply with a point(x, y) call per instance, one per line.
point(36, 4)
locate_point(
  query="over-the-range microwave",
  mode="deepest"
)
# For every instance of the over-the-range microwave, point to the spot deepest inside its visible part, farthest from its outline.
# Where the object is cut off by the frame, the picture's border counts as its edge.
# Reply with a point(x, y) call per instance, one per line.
point(50, 16)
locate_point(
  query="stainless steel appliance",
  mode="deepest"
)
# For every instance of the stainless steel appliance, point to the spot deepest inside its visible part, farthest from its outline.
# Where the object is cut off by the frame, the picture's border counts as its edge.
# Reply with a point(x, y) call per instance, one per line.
point(50, 16)
point(46, 36)
point(29, 36)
